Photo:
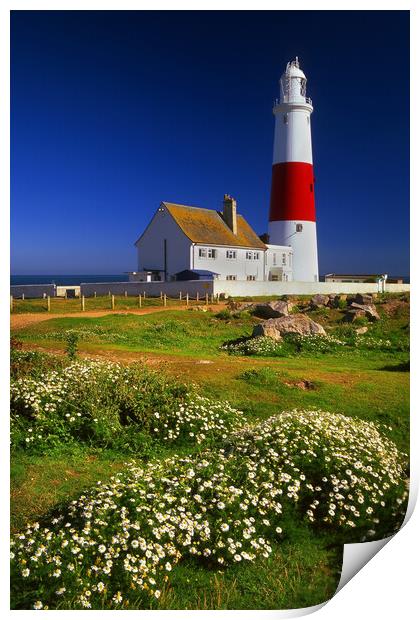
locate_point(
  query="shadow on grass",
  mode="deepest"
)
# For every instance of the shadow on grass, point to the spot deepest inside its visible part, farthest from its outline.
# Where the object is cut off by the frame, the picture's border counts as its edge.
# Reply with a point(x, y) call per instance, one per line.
point(402, 367)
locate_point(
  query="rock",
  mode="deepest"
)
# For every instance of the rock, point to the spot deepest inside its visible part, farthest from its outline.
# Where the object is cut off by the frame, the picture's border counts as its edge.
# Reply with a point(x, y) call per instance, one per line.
point(365, 300)
point(240, 306)
point(334, 300)
point(294, 324)
point(318, 301)
point(273, 309)
point(369, 310)
point(361, 330)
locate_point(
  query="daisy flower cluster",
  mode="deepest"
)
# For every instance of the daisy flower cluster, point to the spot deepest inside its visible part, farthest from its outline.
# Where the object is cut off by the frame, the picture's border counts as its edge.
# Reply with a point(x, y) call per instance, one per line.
point(262, 345)
point(116, 545)
point(197, 419)
point(343, 471)
point(109, 404)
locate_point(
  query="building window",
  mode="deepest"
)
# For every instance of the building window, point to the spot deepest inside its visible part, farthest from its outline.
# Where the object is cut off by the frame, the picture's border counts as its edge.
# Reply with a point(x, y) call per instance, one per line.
point(206, 253)
point(230, 277)
point(251, 278)
point(252, 255)
point(274, 258)
point(231, 254)
point(274, 278)
point(283, 259)
point(248, 256)
point(299, 227)
point(256, 255)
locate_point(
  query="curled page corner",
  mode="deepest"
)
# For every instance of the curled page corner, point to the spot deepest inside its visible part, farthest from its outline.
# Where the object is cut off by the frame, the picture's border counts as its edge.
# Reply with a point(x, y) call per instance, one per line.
point(357, 555)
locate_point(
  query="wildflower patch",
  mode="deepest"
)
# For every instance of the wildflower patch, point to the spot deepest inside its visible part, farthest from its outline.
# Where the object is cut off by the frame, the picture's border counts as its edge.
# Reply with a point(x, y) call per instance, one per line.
point(116, 545)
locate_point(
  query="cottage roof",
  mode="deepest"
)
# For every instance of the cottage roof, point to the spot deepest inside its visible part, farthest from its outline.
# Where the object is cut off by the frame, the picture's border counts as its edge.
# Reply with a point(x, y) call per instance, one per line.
point(208, 227)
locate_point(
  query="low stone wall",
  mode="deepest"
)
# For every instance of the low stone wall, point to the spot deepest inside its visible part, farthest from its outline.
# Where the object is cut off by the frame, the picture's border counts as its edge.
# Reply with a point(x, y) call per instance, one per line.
point(31, 291)
point(237, 288)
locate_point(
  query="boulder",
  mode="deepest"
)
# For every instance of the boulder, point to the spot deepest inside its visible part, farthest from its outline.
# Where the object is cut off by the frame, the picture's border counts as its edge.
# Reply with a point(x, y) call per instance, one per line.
point(334, 300)
point(240, 306)
point(292, 324)
point(361, 330)
point(365, 300)
point(273, 309)
point(368, 309)
point(318, 301)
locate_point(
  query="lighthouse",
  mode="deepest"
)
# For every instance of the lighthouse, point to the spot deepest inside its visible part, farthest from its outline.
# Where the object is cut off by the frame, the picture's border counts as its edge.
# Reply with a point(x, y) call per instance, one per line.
point(292, 204)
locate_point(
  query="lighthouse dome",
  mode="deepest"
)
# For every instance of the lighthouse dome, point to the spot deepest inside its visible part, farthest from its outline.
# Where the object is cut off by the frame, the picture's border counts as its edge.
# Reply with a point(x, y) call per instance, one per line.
point(293, 83)
point(294, 71)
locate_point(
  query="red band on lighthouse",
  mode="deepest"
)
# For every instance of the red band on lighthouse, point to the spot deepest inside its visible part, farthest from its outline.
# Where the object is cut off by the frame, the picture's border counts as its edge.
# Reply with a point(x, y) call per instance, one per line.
point(292, 192)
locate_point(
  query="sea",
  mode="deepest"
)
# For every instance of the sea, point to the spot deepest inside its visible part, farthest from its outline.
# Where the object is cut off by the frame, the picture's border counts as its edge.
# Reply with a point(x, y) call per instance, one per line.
point(67, 280)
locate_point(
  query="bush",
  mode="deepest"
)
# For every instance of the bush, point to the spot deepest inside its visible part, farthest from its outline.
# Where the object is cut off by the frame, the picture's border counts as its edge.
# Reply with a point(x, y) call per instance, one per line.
point(116, 545)
point(108, 405)
point(71, 347)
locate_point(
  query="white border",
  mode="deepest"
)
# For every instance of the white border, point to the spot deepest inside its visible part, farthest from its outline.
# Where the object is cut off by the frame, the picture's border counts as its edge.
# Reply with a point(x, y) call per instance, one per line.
point(387, 586)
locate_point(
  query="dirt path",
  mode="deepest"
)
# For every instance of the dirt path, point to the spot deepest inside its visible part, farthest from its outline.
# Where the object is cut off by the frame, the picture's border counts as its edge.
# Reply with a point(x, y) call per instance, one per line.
point(19, 321)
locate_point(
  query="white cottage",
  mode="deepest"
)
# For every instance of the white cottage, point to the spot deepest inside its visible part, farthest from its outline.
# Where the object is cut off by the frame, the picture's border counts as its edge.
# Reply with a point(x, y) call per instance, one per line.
point(208, 244)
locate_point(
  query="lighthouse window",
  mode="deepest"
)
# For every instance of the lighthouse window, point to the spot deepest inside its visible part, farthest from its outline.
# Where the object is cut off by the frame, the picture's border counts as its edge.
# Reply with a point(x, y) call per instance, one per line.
point(311, 187)
point(299, 227)
point(285, 120)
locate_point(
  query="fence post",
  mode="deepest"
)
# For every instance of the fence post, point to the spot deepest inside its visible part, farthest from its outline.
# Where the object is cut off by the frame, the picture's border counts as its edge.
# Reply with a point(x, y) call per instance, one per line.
point(161, 294)
point(211, 298)
point(125, 293)
point(164, 299)
point(23, 296)
point(144, 294)
point(83, 303)
point(11, 303)
point(65, 294)
point(44, 295)
point(180, 295)
point(188, 299)
point(94, 293)
point(207, 299)
point(198, 296)
point(217, 298)
point(48, 303)
point(140, 300)
point(112, 302)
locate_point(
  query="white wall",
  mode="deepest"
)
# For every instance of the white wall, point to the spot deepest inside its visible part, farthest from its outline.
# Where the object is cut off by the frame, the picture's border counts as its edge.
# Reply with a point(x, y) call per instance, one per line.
point(152, 289)
point(241, 289)
point(234, 288)
point(150, 246)
point(240, 266)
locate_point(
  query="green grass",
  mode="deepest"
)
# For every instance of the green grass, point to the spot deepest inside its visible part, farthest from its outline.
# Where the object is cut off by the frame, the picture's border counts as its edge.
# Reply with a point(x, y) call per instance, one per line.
point(373, 385)
point(59, 305)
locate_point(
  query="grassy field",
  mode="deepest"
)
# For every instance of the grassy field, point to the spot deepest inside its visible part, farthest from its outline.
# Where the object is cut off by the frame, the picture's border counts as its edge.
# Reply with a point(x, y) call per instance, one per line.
point(369, 384)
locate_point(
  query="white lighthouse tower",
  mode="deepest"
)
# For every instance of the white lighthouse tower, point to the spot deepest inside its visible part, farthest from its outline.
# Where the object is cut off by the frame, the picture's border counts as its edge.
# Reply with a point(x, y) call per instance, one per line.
point(292, 204)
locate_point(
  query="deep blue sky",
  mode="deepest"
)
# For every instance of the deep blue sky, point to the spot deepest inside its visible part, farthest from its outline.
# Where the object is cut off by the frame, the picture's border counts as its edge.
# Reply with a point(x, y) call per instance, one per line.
point(113, 112)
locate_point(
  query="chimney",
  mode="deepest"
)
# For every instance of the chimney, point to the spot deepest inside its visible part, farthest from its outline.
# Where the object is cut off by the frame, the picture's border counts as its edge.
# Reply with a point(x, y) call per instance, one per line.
point(229, 213)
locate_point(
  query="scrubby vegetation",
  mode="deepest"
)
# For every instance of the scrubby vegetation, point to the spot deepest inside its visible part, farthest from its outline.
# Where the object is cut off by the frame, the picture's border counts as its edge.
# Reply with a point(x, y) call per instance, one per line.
point(223, 504)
